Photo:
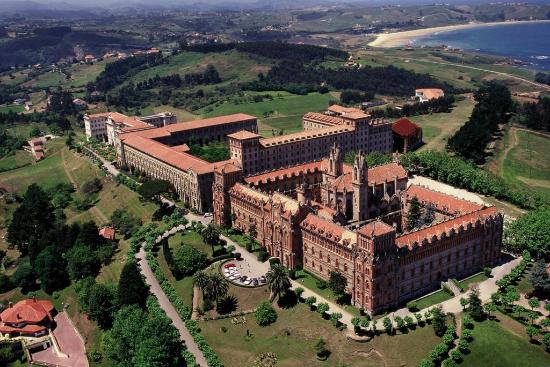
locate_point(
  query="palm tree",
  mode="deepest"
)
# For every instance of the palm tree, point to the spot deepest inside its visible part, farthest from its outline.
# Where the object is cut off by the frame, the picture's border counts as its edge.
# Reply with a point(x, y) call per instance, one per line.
point(211, 235)
point(277, 281)
point(217, 287)
point(201, 280)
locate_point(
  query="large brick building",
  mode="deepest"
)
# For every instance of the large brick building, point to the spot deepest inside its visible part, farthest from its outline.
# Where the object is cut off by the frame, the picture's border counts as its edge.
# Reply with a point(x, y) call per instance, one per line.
point(329, 216)
point(158, 146)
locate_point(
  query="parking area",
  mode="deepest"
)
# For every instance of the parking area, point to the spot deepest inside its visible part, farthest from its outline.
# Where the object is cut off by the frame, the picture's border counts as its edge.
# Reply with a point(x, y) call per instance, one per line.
point(242, 273)
point(71, 346)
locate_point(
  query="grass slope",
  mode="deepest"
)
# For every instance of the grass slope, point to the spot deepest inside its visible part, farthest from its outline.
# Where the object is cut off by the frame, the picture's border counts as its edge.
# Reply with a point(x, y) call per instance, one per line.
point(294, 334)
point(495, 344)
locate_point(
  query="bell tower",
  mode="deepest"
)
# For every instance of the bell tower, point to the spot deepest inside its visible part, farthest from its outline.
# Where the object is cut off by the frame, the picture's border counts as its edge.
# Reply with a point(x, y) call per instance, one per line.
point(360, 184)
point(335, 162)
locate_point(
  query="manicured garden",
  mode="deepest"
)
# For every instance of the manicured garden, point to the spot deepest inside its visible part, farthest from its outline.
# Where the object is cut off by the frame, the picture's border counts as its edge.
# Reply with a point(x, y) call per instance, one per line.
point(293, 336)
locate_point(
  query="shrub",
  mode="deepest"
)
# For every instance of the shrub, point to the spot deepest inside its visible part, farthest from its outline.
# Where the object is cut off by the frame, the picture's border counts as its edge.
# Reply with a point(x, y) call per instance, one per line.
point(487, 271)
point(263, 256)
point(265, 314)
point(299, 292)
point(187, 260)
point(321, 351)
point(323, 308)
point(311, 300)
point(321, 284)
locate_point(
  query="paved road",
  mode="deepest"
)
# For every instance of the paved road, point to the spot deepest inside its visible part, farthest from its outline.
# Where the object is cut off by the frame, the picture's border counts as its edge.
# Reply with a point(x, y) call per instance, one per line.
point(165, 304)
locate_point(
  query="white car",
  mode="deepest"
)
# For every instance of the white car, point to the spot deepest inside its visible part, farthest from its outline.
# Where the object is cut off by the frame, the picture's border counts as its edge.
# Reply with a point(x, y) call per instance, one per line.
point(206, 215)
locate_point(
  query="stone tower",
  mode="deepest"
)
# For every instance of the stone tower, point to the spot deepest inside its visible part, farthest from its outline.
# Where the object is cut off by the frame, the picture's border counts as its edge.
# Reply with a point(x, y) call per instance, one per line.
point(360, 184)
point(335, 163)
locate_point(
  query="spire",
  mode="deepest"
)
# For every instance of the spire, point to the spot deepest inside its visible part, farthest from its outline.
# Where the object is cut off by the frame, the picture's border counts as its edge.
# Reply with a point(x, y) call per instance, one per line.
point(360, 168)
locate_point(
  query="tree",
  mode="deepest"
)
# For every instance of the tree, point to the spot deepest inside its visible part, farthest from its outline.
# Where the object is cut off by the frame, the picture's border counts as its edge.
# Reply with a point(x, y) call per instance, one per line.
point(265, 314)
point(518, 309)
point(530, 232)
point(278, 281)
point(211, 235)
point(153, 189)
point(475, 307)
point(30, 221)
point(141, 339)
point(388, 326)
point(51, 269)
point(321, 350)
point(201, 280)
point(532, 331)
point(102, 305)
point(337, 283)
point(124, 222)
point(188, 259)
point(81, 262)
point(463, 303)
point(24, 276)
point(409, 321)
point(468, 322)
point(323, 308)
point(89, 236)
point(356, 322)
point(217, 287)
point(365, 323)
point(335, 318)
point(310, 301)
point(534, 303)
point(413, 214)
point(438, 321)
point(546, 341)
point(490, 307)
point(539, 277)
point(532, 315)
point(131, 286)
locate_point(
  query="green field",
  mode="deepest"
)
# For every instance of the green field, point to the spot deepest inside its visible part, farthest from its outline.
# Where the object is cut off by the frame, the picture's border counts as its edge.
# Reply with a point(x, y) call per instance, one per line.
point(527, 162)
point(438, 127)
point(285, 111)
point(12, 108)
point(18, 159)
point(503, 343)
point(48, 173)
point(432, 299)
point(294, 334)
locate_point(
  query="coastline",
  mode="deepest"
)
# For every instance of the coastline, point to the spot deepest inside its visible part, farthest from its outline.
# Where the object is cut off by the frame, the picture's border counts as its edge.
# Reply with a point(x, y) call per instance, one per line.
point(397, 39)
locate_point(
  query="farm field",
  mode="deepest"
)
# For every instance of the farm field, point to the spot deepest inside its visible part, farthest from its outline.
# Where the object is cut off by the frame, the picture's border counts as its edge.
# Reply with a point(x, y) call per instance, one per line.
point(296, 331)
point(526, 160)
point(12, 108)
point(439, 127)
point(503, 343)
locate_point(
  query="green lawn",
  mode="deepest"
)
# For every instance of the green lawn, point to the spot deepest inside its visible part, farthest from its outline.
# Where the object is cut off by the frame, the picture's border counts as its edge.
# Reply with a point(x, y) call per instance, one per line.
point(189, 237)
point(437, 297)
point(183, 287)
point(495, 344)
point(13, 108)
point(528, 162)
point(310, 281)
point(524, 285)
point(478, 278)
point(294, 334)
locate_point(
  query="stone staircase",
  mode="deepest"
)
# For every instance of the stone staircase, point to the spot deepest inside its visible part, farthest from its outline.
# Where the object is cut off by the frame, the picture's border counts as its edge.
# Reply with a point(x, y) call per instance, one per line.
point(453, 287)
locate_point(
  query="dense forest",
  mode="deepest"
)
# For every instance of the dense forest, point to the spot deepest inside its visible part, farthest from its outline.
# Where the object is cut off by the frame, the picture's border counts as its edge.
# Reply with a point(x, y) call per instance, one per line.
point(494, 104)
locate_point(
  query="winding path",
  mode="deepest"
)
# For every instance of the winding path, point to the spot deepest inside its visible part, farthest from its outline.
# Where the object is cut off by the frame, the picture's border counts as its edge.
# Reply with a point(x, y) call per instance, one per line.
point(165, 304)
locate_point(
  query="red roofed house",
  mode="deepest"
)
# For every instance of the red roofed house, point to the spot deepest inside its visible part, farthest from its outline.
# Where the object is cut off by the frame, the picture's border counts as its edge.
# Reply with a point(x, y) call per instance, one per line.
point(406, 135)
point(329, 216)
point(427, 94)
point(37, 148)
point(30, 317)
point(107, 232)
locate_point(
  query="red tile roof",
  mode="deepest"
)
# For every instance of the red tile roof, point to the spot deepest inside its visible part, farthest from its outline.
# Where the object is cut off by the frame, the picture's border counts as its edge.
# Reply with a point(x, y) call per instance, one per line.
point(107, 232)
point(336, 108)
point(27, 329)
point(29, 311)
point(329, 230)
point(163, 152)
point(442, 202)
point(408, 239)
point(243, 135)
point(375, 229)
point(405, 127)
point(431, 93)
point(305, 135)
point(279, 173)
point(324, 119)
point(214, 121)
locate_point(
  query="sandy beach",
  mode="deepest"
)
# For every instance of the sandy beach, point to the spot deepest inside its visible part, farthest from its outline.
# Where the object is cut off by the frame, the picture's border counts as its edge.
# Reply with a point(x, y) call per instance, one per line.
point(397, 39)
